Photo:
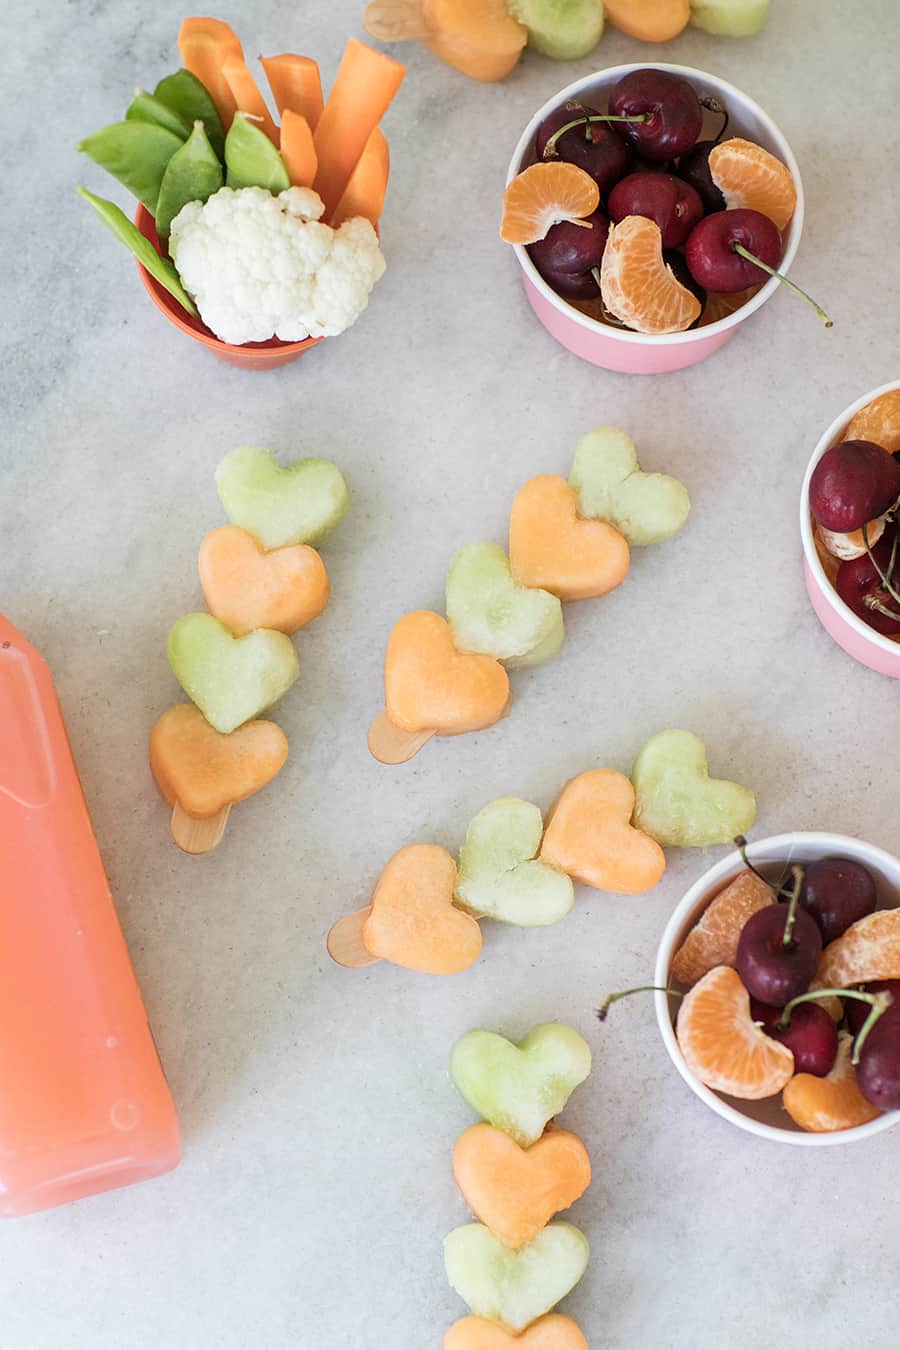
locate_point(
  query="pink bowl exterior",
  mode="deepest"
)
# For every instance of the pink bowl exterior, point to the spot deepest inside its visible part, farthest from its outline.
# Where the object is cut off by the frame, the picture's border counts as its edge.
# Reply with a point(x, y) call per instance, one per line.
point(853, 643)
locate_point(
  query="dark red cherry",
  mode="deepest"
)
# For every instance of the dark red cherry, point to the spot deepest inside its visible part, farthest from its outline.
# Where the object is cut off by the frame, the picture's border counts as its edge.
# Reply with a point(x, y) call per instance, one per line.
point(853, 482)
point(837, 892)
point(857, 1011)
point(772, 972)
point(593, 146)
point(811, 1035)
point(568, 253)
point(694, 169)
point(713, 259)
point(671, 107)
point(878, 1070)
point(860, 586)
point(662, 197)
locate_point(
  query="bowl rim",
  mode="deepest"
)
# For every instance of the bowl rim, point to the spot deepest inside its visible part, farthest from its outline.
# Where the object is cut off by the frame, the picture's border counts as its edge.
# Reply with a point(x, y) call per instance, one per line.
point(710, 882)
point(878, 640)
point(765, 292)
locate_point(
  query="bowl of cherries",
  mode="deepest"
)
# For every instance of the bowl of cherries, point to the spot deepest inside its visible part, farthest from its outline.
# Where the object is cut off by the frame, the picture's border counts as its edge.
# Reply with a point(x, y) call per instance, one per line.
point(652, 212)
point(850, 528)
point(777, 988)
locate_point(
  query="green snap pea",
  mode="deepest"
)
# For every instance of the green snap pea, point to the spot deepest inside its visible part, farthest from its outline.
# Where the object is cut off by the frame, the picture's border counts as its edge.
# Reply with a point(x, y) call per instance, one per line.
point(161, 268)
point(192, 174)
point(186, 95)
point(146, 107)
point(251, 159)
point(136, 153)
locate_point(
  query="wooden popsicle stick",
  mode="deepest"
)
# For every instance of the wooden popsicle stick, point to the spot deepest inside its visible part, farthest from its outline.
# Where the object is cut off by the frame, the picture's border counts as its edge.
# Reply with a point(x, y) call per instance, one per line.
point(390, 744)
point(196, 835)
point(345, 944)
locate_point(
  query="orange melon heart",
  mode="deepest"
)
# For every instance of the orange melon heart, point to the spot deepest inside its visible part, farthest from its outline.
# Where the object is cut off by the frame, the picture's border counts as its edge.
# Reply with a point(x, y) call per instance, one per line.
point(413, 921)
point(552, 548)
point(205, 770)
point(430, 685)
point(247, 587)
point(553, 1332)
point(590, 836)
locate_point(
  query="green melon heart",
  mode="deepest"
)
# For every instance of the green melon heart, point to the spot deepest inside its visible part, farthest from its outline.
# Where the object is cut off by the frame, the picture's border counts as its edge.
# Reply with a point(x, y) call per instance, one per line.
point(518, 1088)
point(514, 1287)
point(296, 505)
point(498, 876)
point(489, 613)
point(730, 18)
point(230, 679)
point(677, 802)
point(563, 29)
point(610, 485)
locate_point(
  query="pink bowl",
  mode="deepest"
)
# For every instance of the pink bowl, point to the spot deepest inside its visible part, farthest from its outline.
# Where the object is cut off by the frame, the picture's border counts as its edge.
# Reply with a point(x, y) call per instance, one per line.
point(858, 640)
point(639, 353)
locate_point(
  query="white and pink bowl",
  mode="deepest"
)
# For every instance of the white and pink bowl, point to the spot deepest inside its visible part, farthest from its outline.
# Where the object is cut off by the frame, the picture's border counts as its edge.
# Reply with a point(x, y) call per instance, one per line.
point(639, 353)
point(858, 640)
point(767, 1119)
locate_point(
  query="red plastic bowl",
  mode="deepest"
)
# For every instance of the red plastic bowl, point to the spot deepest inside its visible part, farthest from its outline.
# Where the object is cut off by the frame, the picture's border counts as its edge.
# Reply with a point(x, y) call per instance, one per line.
point(251, 356)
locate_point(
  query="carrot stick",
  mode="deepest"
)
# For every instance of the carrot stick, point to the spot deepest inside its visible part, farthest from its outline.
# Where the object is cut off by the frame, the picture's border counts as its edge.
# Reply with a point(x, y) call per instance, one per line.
point(365, 84)
point(364, 194)
point(205, 45)
point(295, 84)
point(245, 92)
point(297, 149)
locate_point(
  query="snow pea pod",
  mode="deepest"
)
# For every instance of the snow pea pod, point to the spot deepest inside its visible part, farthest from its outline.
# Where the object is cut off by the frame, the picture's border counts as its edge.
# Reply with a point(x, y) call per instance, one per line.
point(192, 174)
point(160, 268)
point(146, 107)
point(136, 153)
point(185, 95)
point(251, 159)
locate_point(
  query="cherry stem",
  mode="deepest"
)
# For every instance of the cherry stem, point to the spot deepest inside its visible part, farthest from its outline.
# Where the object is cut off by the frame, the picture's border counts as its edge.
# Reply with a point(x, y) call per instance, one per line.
point(792, 906)
point(878, 1005)
point(740, 843)
point(638, 989)
point(714, 106)
point(550, 147)
point(885, 580)
point(595, 273)
point(751, 257)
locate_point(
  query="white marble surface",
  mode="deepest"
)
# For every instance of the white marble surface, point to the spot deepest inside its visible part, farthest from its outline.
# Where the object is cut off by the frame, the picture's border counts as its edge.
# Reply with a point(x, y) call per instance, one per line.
point(315, 1190)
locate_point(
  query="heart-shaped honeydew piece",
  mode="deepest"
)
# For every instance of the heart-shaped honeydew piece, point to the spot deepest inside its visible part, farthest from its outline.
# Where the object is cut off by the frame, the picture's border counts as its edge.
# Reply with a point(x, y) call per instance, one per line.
point(498, 875)
point(518, 1088)
point(489, 613)
point(296, 505)
point(230, 679)
point(610, 485)
point(514, 1287)
point(676, 801)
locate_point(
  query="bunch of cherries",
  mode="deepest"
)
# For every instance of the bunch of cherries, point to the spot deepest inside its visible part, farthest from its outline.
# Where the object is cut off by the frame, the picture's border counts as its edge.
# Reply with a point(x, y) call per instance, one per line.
point(646, 159)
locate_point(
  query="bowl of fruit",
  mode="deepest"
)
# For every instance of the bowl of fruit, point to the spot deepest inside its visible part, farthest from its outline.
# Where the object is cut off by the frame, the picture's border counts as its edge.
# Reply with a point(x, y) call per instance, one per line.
point(776, 980)
point(652, 212)
point(850, 527)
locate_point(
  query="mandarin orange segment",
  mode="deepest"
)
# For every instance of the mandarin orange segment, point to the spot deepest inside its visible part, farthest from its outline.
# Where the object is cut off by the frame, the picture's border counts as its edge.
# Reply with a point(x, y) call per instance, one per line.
point(637, 287)
point(749, 177)
point(552, 1332)
point(247, 587)
point(868, 950)
point(430, 685)
point(713, 940)
point(516, 1191)
point(878, 421)
point(723, 1046)
point(590, 836)
point(542, 196)
point(822, 1105)
point(552, 548)
point(205, 770)
point(720, 305)
point(413, 921)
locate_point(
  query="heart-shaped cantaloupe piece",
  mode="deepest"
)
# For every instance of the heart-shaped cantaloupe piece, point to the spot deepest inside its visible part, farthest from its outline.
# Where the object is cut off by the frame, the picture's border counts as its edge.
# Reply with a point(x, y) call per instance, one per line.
point(247, 588)
point(516, 1191)
point(499, 874)
point(610, 485)
point(552, 547)
point(413, 921)
point(489, 613)
point(553, 1332)
point(676, 801)
point(204, 771)
point(299, 504)
point(514, 1287)
point(230, 679)
point(518, 1088)
point(590, 836)
point(429, 685)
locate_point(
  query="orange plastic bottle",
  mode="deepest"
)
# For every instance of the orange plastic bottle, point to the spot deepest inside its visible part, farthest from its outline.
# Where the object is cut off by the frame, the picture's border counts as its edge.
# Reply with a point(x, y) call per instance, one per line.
point(84, 1105)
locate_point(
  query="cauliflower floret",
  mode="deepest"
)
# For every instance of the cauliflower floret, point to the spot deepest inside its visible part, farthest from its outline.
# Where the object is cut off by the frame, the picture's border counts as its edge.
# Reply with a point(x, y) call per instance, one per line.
point(260, 266)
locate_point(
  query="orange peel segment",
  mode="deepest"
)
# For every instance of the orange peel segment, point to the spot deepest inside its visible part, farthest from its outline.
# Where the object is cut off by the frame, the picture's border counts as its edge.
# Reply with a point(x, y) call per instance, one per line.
point(868, 950)
point(713, 940)
point(542, 196)
point(590, 836)
point(722, 1045)
point(750, 177)
point(823, 1105)
point(878, 421)
point(637, 287)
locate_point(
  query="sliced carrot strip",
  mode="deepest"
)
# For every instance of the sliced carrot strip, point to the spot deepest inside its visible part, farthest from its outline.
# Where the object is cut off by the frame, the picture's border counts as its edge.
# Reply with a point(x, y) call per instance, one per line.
point(295, 84)
point(364, 194)
point(298, 149)
point(205, 45)
point(247, 96)
point(365, 85)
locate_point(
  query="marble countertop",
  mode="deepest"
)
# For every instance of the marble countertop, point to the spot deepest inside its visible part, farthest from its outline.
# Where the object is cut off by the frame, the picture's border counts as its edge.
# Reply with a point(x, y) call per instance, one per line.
point(319, 1119)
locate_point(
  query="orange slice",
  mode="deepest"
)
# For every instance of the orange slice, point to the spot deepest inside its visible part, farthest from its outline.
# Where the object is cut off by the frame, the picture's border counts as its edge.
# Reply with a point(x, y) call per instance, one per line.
point(720, 306)
point(878, 421)
point(542, 196)
point(637, 286)
point(748, 176)
point(868, 950)
point(713, 940)
point(834, 1102)
point(723, 1046)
